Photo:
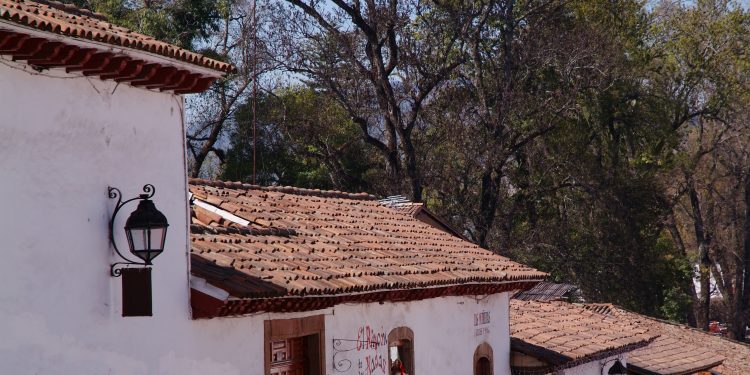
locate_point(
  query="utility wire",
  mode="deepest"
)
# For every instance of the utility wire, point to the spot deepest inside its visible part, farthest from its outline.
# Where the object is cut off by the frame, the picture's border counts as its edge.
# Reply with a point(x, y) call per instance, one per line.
point(255, 85)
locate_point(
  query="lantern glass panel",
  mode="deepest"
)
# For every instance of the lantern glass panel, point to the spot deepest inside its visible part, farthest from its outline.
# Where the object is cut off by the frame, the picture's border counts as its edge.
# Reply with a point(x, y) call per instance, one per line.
point(138, 238)
point(157, 238)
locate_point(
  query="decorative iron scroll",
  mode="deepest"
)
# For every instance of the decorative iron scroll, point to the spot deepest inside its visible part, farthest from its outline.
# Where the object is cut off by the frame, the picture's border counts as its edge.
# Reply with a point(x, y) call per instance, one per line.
point(342, 346)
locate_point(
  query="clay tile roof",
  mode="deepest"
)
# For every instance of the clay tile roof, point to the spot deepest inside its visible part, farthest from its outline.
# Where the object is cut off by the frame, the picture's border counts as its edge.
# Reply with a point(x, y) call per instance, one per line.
point(669, 356)
point(682, 350)
point(420, 212)
point(564, 334)
point(545, 291)
point(303, 242)
point(65, 19)
point(601, 308)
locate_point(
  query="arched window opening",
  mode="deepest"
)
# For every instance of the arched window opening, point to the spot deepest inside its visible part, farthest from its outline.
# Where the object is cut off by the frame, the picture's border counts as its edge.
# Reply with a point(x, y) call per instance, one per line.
point(483, 359)
point(401, 351)
point(483, 367)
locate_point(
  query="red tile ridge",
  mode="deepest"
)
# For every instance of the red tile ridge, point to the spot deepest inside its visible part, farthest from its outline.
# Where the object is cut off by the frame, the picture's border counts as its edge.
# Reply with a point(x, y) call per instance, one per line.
point(272, 231)
point(70, 8)
point(282, 189)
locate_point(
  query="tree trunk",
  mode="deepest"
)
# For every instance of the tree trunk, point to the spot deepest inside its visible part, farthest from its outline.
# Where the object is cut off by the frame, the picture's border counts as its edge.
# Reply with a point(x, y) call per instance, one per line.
point(487, 207)
point(412, 169)
point(689, 286)
point(703, 309)
point(743, 295)
point(208, 144)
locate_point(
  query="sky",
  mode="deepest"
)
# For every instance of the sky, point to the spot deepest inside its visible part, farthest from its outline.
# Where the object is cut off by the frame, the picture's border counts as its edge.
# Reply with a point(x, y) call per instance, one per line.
point(745, 3)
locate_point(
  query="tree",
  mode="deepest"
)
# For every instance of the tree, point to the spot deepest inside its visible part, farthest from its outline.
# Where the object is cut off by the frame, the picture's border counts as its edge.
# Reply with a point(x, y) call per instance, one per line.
point(381, 61)
point(530, 62)
point(303, 139)
point(241, 40)
point(709, 219)
point(702, 81)
point(561, 170)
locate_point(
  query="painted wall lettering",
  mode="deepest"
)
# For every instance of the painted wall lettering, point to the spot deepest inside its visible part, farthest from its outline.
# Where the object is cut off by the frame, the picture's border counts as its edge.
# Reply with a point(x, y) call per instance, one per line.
point(369, 338)
point(373, 364)
point(369, 351)
point(372, 348)
point(481, 331)
point(482, 318)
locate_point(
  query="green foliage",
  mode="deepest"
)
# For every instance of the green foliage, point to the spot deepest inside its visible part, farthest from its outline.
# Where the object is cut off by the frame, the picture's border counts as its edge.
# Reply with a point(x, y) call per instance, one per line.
point(608, 232)
point(180, 22)
point(303, 139)
point(677, 301)
point(586, 201)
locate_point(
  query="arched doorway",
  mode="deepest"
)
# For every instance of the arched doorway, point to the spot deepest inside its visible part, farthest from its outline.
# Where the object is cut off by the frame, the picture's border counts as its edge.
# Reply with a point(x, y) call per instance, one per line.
point(483, 360)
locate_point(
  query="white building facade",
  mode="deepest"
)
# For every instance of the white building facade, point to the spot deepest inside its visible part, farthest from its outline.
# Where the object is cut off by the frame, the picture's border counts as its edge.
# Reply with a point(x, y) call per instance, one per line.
point(65, 140)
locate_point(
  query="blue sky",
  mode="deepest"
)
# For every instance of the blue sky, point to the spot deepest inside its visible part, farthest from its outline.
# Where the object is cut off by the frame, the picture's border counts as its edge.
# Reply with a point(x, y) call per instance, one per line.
point(744, 3)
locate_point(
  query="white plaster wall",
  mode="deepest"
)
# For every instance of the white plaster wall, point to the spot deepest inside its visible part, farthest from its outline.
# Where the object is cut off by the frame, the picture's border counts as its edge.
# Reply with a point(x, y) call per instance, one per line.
point(445, 336)
point(600, 367)
point(63, 140)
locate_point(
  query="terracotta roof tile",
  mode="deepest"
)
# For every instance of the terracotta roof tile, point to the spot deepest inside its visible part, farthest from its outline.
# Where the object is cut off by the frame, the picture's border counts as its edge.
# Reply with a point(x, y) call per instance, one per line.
point(334, 243)
point(66, 19)
point(680, 349)
point(560, 332)
point(545, 291)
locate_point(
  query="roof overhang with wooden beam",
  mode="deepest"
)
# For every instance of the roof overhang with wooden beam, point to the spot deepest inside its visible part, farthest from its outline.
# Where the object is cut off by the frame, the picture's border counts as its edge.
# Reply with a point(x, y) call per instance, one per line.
point(43, 50)
point(206, 306)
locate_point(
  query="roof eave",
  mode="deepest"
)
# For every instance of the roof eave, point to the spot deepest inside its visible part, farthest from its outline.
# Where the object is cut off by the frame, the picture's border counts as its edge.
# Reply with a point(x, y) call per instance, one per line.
point(105, 47)
point(243, 306)
point(539, 352)
point(561, 361)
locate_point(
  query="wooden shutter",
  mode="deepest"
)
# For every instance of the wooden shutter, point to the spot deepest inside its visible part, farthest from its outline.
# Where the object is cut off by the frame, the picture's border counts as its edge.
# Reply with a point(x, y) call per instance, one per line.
point(136, 291)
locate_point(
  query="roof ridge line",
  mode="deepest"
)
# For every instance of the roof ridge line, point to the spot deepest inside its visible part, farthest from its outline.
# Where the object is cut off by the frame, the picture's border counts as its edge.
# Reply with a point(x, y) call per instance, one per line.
point(270, 231)
point(685, 326)
point(69, 8)
point(664, 321)
point(282, 189)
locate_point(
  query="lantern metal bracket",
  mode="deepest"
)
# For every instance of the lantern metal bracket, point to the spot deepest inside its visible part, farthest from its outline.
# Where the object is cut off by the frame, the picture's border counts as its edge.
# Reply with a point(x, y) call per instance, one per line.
point(115, 269)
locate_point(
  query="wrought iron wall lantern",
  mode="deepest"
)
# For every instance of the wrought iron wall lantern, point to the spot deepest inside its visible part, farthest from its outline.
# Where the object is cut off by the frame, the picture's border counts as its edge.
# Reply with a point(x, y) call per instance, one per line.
point(146, 230)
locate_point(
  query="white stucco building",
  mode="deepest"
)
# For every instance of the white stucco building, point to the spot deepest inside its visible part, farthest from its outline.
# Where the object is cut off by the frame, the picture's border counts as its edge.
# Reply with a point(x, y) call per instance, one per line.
point(319, 282)
point(351, 282)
